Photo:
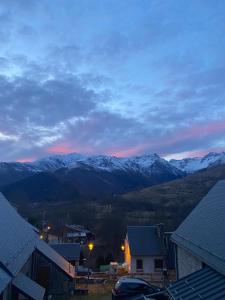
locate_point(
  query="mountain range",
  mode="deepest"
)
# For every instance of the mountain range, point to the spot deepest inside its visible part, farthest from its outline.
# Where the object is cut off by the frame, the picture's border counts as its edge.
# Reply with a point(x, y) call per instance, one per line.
point(191, 165)
point(74, 176)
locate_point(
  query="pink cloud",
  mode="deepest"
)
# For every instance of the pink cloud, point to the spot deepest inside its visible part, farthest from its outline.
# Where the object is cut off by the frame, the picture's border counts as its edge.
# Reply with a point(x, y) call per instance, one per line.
point(66, 149)
point(195, 131)
point(127, 151)
point(60, 149)
point(26, 159)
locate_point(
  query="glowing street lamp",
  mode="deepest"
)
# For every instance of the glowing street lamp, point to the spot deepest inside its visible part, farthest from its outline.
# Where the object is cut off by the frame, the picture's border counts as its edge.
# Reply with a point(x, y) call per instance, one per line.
point(41, 237)
point(49, 227)
point(122, 247)
point(90, 246)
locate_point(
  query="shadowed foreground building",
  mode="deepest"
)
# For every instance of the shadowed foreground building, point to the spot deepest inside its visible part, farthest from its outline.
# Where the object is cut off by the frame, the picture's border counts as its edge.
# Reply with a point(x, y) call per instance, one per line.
point(29, 268)
point(200, 250)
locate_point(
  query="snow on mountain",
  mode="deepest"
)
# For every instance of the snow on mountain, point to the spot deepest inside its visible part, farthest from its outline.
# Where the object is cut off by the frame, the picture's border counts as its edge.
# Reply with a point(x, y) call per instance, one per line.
point(145, 164)
point(142, 164)
point(194, 164)
point(55, 162)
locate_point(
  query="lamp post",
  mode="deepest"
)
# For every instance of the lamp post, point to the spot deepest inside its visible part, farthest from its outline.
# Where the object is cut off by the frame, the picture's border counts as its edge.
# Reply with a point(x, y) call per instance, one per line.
point(90, 247)
point(122, 248)
point(47, 233)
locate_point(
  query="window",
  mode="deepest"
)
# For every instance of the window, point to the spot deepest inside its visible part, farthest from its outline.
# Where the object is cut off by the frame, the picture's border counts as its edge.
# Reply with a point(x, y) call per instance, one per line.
point(158, 264)
point(139, 264)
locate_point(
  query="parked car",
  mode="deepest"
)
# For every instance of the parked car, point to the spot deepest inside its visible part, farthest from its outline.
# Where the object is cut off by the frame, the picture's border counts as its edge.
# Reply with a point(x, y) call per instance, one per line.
point(134, 288)
point(83, 271)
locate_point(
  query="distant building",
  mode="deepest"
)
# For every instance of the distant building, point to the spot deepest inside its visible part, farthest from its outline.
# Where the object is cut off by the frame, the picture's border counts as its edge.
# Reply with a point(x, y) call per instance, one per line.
point(29, 268)
point(70, 251)
point(144, 249)
point(200, 250)
point(76, 234)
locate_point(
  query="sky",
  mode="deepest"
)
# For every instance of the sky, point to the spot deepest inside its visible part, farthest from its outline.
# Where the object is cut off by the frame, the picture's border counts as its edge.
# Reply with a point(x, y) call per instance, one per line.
point(111, 77)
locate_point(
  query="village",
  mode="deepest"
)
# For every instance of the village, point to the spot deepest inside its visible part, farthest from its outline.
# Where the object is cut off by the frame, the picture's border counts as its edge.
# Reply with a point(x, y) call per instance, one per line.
point(47, 264)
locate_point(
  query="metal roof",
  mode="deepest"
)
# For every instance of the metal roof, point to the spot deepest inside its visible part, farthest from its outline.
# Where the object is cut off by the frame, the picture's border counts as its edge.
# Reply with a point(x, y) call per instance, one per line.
point(54, 257)
point(70, 251)
point(203, 231)
point(203, 284)
point(5, 279)
point(18, 241)
point(28, 287)
point(144, 241)
point(77, 228)
point(17, 238)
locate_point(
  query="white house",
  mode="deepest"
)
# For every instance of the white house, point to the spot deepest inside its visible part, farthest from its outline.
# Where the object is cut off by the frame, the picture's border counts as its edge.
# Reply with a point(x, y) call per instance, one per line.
point(144, 249)
point(200, 250)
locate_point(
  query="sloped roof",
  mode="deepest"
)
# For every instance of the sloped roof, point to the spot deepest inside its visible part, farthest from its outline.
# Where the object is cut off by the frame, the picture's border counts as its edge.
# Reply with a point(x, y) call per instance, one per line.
point(77, 228)
point(56, 258)
point(17, 239)
point(28, 287)
point(70, 251)
point(5, 279)
point(203, 231)
point(203, 284)
point(144, 241)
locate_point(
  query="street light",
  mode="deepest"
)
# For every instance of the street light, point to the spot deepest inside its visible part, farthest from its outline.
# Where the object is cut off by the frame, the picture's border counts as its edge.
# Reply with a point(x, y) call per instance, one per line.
point(90, 247)
point(122, 247)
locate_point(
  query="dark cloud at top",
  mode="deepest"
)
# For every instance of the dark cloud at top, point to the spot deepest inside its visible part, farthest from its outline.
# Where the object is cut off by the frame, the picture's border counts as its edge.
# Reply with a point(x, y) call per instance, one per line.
point(115, 77)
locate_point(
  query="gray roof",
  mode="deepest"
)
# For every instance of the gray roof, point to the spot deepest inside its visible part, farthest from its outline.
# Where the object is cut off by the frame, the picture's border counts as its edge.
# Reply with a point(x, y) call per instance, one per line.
point(5, 279)
point(17, 239)
point(28, 287)
point(203, 284)
point(70, 251)
point(144, 241)
point(56, 258)
point(76, 227)
point(203, 232)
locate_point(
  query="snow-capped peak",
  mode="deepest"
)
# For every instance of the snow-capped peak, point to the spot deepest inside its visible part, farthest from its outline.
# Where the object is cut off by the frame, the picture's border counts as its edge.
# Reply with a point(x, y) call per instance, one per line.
point(194, 164)
point(141, 163)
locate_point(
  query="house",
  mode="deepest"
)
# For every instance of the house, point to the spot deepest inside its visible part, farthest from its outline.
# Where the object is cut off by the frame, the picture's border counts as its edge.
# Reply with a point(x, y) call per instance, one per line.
point(200, 250)
point(76, 234)
point(29, 268)
point(144, 249)
point(70, 251)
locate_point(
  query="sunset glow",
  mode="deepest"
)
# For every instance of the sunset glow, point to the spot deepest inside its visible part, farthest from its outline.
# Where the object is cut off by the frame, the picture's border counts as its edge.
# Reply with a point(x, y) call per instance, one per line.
point(122, 78)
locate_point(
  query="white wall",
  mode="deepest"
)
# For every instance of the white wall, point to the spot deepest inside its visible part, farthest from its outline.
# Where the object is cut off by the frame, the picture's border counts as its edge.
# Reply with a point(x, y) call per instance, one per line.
point(148, 263)
point(186, 263)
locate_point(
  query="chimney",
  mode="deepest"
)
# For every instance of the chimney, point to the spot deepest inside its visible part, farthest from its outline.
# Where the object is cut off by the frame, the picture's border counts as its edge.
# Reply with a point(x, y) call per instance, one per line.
point(160, 230)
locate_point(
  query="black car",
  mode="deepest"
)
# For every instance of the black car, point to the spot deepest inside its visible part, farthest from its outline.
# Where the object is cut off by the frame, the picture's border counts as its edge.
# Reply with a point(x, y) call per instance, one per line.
point(130, 288)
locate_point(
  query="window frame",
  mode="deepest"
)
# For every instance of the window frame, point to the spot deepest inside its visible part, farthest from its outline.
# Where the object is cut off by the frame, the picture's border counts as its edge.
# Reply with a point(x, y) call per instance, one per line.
point(139, 261)
point(161, 261)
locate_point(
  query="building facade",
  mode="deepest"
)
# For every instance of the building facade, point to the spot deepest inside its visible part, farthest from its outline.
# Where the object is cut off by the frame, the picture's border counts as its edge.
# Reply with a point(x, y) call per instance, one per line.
point(200, 250)
point(144, 249)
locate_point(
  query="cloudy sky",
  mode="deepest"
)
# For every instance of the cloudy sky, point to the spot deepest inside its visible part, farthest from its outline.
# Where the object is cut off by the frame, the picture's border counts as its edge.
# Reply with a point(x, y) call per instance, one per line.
point(111, 77)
